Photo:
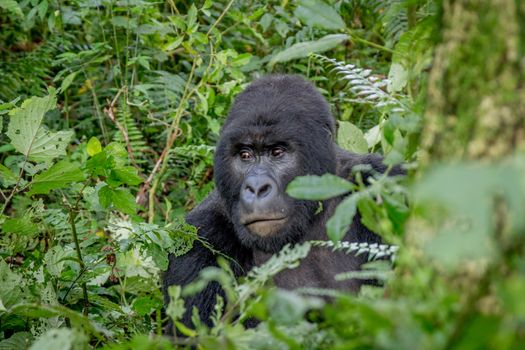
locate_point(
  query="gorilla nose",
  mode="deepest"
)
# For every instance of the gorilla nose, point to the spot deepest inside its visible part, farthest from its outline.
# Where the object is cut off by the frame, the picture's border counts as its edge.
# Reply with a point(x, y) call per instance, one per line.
point(257, 188)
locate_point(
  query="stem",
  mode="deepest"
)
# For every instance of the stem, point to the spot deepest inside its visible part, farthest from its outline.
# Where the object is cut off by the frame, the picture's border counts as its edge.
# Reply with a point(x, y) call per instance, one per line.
point(72, 216)
point(15, 189)
point(369, 43)
point(220, 17)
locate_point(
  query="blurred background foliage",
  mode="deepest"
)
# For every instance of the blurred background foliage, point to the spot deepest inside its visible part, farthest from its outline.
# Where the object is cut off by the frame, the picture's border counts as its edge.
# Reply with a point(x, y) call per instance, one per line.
point(109, 113)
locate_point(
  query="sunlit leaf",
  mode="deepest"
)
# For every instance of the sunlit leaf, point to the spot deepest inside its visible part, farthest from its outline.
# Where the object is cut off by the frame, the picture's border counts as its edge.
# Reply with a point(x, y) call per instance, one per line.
point(318, 187)
point(351, 138)
point(29, 136)
point(339, 223)
point(305, 48)
point(93, 146)
point(58, 176)
point(7, 177)
point(317, 13)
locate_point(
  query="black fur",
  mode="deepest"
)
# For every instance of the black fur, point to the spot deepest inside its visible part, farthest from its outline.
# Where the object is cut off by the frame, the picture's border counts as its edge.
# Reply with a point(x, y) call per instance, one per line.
point(272, 110)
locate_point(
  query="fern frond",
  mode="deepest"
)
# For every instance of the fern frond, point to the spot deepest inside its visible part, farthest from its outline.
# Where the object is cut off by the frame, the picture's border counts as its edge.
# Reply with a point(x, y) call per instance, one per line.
point(393, 17)
point(374, 250)
point(288, 258)
point(135, 137)
point(366, 87)
point(58, 221)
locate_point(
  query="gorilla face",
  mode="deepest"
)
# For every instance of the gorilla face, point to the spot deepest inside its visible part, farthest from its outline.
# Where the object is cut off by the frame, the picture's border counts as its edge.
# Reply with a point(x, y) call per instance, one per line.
point(280, 127)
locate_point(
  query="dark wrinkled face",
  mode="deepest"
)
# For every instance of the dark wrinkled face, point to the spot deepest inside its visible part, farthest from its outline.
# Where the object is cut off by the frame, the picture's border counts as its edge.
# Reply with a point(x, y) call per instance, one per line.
point(264, 209)
point(264, 216)
point(278, 129)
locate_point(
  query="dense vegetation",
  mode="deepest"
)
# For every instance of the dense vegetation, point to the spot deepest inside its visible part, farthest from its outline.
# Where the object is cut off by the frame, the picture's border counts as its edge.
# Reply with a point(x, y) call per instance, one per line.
point(109, 113)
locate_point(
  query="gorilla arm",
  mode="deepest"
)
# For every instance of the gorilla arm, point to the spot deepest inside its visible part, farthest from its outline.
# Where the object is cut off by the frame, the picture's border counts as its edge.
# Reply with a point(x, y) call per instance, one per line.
point(213, 227)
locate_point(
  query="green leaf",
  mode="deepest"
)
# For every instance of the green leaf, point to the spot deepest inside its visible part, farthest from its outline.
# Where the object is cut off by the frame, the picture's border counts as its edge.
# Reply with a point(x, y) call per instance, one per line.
point(317, 13)
point(318, 187)
point(351, 138)
point(397, 77)
point(125, 175)
point(7, 177)
point(30, 137)
point(118, 152)
point(67, 81)
point(304, 49)
point(21, 226)
point(339, 223)
point(105, 196)
point(146, 305)
point(124, 201)
point(58, 176)
point(60, 338)
point(93, 146)
point(17, 341)
point(120, 198)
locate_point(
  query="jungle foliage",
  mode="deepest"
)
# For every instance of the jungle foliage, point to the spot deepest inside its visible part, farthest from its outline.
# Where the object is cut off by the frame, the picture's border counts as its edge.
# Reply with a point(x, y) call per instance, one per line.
point(109, 113)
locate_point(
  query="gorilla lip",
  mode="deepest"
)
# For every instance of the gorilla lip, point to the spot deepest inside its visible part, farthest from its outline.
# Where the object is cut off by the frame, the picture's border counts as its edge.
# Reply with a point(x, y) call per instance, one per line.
point(261, 220)
point(265, 227)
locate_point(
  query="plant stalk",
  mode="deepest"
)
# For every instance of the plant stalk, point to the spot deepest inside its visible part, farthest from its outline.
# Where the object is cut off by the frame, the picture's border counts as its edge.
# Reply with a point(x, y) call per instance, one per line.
point(72, 216)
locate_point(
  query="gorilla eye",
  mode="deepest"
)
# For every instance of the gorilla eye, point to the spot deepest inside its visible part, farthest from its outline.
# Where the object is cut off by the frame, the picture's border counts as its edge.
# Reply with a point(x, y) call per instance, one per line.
point(245, 154)
point(278, 151)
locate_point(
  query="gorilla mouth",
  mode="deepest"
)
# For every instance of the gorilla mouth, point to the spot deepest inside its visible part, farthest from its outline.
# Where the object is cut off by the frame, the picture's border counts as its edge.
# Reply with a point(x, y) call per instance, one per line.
point(265, 226)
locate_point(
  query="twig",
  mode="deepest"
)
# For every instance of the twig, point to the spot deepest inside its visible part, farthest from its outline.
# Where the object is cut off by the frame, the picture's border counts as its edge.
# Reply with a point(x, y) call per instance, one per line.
point(220, 17)
point(173, 131)
point(17, 184)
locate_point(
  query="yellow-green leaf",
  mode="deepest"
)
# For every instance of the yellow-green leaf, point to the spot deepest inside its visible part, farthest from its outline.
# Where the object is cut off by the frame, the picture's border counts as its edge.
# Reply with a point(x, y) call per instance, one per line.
point(93, 146)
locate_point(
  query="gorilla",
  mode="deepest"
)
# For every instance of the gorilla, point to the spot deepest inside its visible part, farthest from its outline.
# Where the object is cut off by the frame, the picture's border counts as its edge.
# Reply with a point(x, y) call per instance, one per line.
point(278, 128)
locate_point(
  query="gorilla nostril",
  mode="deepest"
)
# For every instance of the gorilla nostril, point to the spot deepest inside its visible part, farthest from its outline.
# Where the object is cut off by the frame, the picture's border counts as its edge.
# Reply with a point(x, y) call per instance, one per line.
point(264, 190)
point(250, 189)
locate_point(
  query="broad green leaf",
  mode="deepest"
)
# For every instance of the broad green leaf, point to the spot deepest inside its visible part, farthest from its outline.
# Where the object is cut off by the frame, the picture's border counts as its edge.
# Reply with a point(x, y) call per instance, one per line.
point(339, 223)
point(100, 164)
point(60, 338)
point(124, 201)
point(146, 305)
point(397, 77)
point(316, 13)
point(373, 136)
point(118, 152)
point(120, 198)
point(351, 138)
point(105, 196)
point(93, 146)
point(58, 176)
point(17, 341)
point(21, 226)
point(124, 175)
point(30, 137)
point(304, 49)
point(318, 187)
point(7, 177)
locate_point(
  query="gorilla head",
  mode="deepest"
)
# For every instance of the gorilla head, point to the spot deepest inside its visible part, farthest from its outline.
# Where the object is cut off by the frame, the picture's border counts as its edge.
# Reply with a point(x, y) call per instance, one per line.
point(280, 127)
